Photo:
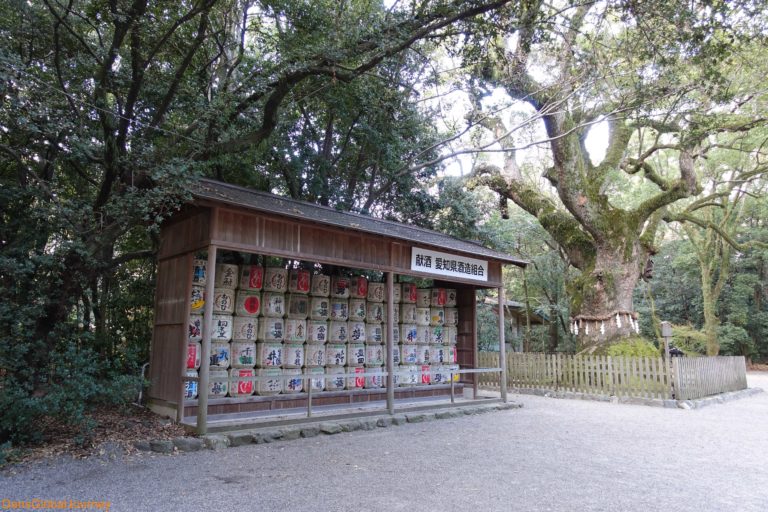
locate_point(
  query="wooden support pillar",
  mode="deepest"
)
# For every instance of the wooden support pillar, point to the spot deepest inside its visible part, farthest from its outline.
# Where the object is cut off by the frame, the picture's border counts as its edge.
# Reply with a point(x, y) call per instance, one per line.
point(502, 345)
point(390, 343)
point(205, 356)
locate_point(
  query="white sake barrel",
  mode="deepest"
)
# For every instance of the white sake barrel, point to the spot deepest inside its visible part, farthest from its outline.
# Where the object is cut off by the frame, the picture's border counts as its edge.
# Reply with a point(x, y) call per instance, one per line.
point(421, 350)
point(269, 355)
point(450, 301)
point(409, 293)
point(408, 313)
point(375, 381)
point(355, 382)
point(436, 316)
point(295, 331)
point(425, 372)
point(454, 368)
point(355, 354)
point(317, 381)
point(339, 310)
point(423, 297)
point(243, 354)
point(238, 383)
point(377, 312)
point(317, 331)
point(272, 384)
point(252, 277)
point(377, 292)
point(218, 383)
point(320, 308)
point(190, 388)
point(395, 354)
point(246, 328)
point(357, 310)
point(222, 328)
point(408, 334)
point(395, 312)
point(422, 334)
point(199, 271)
point(409, 375)
point(397, 293)
point(195, 329)
point(336, 354)
point(221, 355)
point(276, 279)
point(374, 355)
point(197, 299)
point(436, 335)
point(439, 355)
point(374, 333)
point(356, 332)
point(439, 374)
point(315, 355)
point(299, 281)
point(423, 316)
point(408, 354)
point(271, 329)
point(247, 303)
point(293, 355)
point(337, 332)
point(298, 306)
point(321, 285)
point(452, 354)
point(273, 304)
point(358, 287)
point(294, 382)
point(395, 335)
point(223, 301)
point(438, 297)
point(426, 353)
point(450, 335)
point(451, 316)
point(194, 349)
point(226, 276)
point(340, 287)
point(334, 380)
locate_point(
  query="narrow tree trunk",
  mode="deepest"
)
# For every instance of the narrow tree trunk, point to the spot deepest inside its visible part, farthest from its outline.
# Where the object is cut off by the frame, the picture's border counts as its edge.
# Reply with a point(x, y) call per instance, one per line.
point(709, 304)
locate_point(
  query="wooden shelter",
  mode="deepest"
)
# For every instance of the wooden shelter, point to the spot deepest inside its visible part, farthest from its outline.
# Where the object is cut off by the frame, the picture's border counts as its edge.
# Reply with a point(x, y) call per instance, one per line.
point(224, 217)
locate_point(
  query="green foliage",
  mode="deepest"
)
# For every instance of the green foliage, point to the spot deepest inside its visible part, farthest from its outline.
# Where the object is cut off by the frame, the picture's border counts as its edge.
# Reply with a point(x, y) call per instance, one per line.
point(636, 346)
point(689, 339)
point(735, 341)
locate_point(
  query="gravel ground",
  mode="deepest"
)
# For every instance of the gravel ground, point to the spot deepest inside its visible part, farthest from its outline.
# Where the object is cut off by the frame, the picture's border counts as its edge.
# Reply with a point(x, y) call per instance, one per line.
point(550, 455)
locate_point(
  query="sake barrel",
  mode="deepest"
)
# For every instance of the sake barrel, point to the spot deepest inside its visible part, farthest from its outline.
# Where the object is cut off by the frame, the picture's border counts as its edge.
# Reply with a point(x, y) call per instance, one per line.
point(293, 355)
point(436, 335)
point(408, 334)
point(239, 385)
point(190, 387)
point(376, 292)
point(298, 306)
point(450, 335)
point(271, 329)
point(422, 334)
point(252, 277)
point(321, 285)
point(357, 310)
point(358, 287)
point(450, 300)
point(377, 312)
point(247, 303)
point(275, 279)
point(271, 384)
point(195, 328)
point(221, 355)
point(320, 308)
point(243, 354)
point(218, 383)
point(334, 380)
point(439, 355)
point(451, 316)
point(426, 374)
point(340, 287)
point(436, 316)
point(374, 333)
point(395, 335)
point(315, 355)
point(224, 301)
point(397, 293)
point(193, 355)
point(423, 297)
point(408, 354)
point(339, 310)
point(199, 271)
point(356, 332)
point(454, 368)
point(355, 354)
point(273, 304)
point(197, 299)
point(356, 381)
point(335, 354)
point(294, 381)
point(269, 355)
point(424, 354)
point(409, 293)
point(450, 354)
point(295, 331)
point(375, 381)
point(222, 328)
point(408, 313)
point(438, 298)
point(299, 281)
point(317, 331)
point(423, 316)
point(439, 374)
point(395, 313)
point(317, 380)
point(396, 354)
point(408, 375)
point(246, 328)
point(374, 355)
point(338, 332)
point(226, 276)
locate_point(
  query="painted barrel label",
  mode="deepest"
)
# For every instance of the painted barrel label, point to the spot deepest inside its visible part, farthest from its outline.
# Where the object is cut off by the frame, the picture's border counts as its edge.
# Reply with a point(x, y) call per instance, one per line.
point(339, 332)
point(276, 279)
point(376, 312)
point(422, 334)
point(374, 355)
point(423, 297)
point(243, 354)
point(197, 299)
point(451, 297)
point(340, 287)
point(315, 355)
point(375, 381)
point(358, 287)
point(426, 374)
point(294, 383)
point(439, 297)
point(409, 293)
point(451, 316)
point(408, 313)
point(335, 354)
point(190, 387)
point(293, 356)
point(357, 309)
point(271, 329)
point(320, 308)
point(226, 276)
point(397, 293)
point(423, 316)
point(195, 328)
point(376, 292)
point(223, 300)
point(358, 381)
point(356, 354)
point(269, 355)
point(237, 385)
point(356, 331)
point(436, 316)
point(271, 385)
point(408, 354)
point(222, 328)
point(317, 383)
point(299, 281)
point(220, 355)
point(436, 335)
point(193, 355)
point(317, 331)
point(321, 285)
point(339, 310)
point(252, 277)
point(274, 304)
point(450, 335)
point(199, 272)
point(374, 333)
point(298, 306)
point(245, 328)
point(218, 384)
point(335, 379)
point(295, 330)
point(248, 303)
point(408, 334)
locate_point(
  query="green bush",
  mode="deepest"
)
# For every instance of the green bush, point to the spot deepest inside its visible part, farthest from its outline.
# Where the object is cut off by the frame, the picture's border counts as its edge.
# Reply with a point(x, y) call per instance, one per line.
point(689, 339)
point(636, 346)
point(735, 341)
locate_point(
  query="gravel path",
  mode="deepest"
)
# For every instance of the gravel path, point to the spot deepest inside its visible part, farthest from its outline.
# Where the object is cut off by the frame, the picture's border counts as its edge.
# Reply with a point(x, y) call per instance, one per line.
point(550, 455)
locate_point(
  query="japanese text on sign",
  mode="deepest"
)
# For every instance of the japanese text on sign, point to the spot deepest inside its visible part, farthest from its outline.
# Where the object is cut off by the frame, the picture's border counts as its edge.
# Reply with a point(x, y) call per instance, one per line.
point(452, 265)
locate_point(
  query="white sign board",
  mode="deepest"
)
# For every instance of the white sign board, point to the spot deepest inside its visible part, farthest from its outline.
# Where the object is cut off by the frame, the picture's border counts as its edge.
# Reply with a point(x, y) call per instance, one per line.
point(448, 265)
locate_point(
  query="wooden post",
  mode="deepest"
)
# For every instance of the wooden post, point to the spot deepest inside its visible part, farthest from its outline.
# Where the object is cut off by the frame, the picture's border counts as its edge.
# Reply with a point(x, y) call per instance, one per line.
point(390, 343)
point(205, 356)
point(502, 347)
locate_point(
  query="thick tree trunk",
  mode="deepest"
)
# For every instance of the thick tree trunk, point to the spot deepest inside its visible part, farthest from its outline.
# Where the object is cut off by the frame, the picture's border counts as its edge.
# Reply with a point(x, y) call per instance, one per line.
point(709, 305)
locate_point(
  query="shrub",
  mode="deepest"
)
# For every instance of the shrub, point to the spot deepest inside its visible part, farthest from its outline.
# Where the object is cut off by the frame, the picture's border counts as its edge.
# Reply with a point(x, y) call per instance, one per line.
point(635, 346)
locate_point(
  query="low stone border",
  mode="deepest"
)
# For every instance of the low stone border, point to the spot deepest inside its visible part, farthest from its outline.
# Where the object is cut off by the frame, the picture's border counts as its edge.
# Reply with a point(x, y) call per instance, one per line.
point(288, 433)
point(652, 402)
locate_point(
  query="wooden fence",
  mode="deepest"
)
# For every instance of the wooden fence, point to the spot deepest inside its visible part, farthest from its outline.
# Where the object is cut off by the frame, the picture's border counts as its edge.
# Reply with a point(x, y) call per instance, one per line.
point(644, 377)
